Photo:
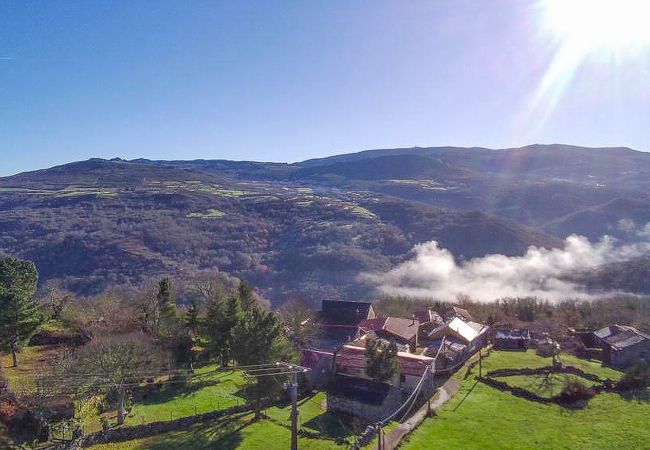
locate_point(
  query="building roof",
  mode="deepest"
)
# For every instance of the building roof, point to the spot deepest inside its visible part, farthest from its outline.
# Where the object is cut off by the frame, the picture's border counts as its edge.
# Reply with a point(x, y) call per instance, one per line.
point(427, 316)
point(360, 389)
point(625, 336)
point(405, 329)
point(345, 313)
point(410, 364)
point(612, 330)
point(464, 329)
point(514, 333)
point(454, 311)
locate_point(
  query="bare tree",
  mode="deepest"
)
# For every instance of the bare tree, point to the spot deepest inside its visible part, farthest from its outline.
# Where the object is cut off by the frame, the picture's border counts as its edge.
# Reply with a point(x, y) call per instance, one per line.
point(56, 297)
point(116, 362)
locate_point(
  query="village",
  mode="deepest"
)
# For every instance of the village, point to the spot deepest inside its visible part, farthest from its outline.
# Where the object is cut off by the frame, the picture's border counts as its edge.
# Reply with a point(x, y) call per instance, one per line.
point(394, 373)
point(431, 346)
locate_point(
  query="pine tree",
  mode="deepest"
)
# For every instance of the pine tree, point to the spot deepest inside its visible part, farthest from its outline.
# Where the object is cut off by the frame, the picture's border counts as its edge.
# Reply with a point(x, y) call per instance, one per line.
point(168, 314)
point(382, 363)
point(246, 296)
point(192, 317)
point(20, 316)
point(259, 339)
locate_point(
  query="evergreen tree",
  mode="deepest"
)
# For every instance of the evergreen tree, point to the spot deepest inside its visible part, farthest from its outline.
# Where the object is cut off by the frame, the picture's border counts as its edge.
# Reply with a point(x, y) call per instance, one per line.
point(246, 296)
point(165, 300)
point(20, 316)
point(220, 326)
point(382, 363)
point(192, 317)
point(167, 312)
point(258, 340)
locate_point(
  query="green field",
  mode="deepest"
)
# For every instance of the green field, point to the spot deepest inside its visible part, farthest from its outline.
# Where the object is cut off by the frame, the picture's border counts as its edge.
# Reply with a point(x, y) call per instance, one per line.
point(272, 432)
point(481, 417)
point(209, 392)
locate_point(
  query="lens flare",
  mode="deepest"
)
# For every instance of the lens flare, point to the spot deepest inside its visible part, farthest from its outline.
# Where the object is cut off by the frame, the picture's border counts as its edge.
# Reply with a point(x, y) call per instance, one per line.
point(613, 33)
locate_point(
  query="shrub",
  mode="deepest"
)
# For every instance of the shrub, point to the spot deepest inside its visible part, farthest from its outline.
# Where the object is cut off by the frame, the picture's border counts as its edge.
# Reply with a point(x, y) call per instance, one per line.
point(574, 391)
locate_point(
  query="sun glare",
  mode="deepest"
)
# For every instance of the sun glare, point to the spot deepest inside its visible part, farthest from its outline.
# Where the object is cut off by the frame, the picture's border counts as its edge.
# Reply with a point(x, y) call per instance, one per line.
point(600, 24)
point(613, 33)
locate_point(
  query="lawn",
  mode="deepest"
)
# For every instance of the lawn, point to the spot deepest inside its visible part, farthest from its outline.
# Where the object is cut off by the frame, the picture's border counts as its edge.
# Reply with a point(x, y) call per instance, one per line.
point(241, 431)
point(544, 385)
point(210, 391)
point(479, 416)
point(31, 361)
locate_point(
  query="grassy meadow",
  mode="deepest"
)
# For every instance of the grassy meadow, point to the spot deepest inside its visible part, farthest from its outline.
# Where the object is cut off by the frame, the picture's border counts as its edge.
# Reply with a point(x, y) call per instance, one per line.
point(481, 417)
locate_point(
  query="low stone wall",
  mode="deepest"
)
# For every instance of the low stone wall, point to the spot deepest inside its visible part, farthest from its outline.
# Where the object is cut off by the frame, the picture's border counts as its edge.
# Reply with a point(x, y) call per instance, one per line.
point(151, 429)
point(546, 370)
point(365, 410)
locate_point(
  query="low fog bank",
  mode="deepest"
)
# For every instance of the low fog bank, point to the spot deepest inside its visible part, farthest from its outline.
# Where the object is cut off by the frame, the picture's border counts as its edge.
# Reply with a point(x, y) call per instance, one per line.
point(547, 274)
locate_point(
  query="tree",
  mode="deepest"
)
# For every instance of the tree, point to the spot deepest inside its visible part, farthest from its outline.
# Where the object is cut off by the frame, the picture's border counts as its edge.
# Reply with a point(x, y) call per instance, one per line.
point(220, 325)
point(20, 316)
point(259, 340)
point(246, 295)
point(167, 312)
point(296, 314)
point(57, 298)
point(113, 362)
point(382, 363)
point(192, 317)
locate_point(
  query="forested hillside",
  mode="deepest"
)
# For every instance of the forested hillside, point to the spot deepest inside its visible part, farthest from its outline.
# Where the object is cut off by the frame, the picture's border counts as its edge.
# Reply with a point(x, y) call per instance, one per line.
point(311, 228)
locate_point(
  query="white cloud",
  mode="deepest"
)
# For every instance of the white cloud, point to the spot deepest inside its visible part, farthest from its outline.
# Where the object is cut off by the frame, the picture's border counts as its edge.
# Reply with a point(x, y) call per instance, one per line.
point(543, 273)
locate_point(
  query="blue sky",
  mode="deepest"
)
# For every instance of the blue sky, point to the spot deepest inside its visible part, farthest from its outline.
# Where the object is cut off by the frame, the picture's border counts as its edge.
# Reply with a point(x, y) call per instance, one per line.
point(291, 80)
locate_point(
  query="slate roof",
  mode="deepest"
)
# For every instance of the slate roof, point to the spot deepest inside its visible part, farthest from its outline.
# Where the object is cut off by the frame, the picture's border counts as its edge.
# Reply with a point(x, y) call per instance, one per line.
point(454, 311)
point(624, 336)
point(360, 389)
point(427, 316)
point(345, 313)
point(515, 333)
point(405, 329)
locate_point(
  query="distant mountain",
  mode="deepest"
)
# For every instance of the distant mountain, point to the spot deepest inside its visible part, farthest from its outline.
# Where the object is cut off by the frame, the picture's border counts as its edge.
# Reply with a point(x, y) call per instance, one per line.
point(99, 223)
point(310, 228)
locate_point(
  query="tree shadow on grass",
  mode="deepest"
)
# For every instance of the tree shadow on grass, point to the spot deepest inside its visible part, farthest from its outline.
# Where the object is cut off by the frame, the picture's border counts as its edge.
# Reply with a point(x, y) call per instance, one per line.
point(224, 434)
point(639, 395)
point(334, 426)
point(466, 395)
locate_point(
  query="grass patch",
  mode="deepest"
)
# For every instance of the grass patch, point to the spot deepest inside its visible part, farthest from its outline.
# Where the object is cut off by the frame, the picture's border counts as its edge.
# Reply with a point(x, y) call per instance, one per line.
point(31, 361)
point(241, 431)
point(479, 416)
point(209, 214)
point(544, 385)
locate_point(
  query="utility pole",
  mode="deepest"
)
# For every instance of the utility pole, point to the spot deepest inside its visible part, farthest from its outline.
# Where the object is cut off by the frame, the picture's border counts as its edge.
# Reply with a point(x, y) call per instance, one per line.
point(293, 392)
point(480, 362)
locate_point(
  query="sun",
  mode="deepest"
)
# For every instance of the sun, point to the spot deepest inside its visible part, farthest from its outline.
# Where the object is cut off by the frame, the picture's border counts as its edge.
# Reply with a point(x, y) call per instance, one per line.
point(597, 25)
point(611, 36)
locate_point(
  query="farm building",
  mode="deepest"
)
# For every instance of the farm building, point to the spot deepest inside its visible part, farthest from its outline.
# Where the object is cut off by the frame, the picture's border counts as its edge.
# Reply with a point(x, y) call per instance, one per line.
point(351, 361)
point(459, 330)
point(402, 331)
point(451, 312)
point(623, 345)
point(337, 323)
point(512, 339)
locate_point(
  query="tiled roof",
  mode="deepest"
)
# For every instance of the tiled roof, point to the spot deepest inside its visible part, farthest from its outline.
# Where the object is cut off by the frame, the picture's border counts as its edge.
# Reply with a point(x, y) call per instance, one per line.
point(405, 329)
point(427, 316)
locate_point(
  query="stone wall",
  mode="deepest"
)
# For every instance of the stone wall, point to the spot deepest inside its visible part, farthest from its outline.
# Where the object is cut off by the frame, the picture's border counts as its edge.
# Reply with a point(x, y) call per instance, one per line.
point(366, 411)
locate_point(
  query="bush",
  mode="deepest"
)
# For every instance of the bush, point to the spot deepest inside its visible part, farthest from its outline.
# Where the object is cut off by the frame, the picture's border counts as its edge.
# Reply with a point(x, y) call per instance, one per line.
point(574, 391)
point(636, 377)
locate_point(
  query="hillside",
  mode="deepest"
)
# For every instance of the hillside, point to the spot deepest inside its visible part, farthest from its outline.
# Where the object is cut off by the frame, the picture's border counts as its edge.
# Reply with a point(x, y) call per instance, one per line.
point(99, 223)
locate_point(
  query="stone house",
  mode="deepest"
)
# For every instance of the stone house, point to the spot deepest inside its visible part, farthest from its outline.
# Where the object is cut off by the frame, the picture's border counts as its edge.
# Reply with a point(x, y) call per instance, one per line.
point(623, 345)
